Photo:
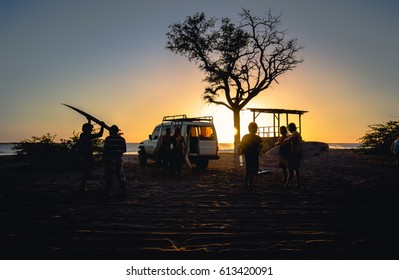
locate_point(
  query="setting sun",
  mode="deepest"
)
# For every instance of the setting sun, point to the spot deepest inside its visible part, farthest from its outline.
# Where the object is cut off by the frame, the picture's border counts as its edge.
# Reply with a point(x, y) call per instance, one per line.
point(223, 120)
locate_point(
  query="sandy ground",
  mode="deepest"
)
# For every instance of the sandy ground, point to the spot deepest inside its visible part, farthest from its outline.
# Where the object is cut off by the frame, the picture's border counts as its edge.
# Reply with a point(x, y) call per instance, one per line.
point(348, 208)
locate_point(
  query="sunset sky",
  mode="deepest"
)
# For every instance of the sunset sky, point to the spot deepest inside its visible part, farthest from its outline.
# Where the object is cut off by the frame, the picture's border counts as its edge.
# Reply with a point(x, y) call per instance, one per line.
point(109, 59)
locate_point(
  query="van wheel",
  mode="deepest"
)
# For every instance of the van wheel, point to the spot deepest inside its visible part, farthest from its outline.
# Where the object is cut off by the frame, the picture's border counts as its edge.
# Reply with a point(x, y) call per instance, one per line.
point(143, 157)
point(201, 164)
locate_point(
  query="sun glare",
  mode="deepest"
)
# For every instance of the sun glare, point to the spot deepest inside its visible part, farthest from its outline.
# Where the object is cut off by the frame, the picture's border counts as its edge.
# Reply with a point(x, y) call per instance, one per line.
point(224, 122)
point(225, 128)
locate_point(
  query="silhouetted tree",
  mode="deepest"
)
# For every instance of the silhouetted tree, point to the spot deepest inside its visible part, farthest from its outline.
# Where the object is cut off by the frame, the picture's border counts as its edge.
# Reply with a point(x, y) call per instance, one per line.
point(239, 60)
point(380, 137)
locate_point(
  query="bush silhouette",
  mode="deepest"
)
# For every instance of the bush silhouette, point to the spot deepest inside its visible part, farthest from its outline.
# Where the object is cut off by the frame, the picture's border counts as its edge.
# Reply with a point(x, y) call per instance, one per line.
point(43, 152)
point(380, 137)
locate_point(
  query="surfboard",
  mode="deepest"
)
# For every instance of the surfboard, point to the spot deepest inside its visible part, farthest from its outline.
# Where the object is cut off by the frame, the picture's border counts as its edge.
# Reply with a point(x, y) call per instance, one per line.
point(265, 170)
point(88, 116)
point(309, 150)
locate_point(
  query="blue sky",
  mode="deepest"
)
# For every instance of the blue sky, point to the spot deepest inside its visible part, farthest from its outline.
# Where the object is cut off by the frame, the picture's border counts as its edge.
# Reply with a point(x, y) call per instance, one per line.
point(109, 58)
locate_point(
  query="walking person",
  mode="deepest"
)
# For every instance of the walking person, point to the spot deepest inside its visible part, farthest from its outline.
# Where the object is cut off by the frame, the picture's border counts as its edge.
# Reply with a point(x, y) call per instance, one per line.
point(85, 150)
point(294, 157)
point(114, 148)
point(251, 145)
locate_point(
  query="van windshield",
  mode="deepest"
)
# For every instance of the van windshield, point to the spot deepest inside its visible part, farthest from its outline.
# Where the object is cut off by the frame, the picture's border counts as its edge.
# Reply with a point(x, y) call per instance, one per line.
point(155, 133)
point(157, 130)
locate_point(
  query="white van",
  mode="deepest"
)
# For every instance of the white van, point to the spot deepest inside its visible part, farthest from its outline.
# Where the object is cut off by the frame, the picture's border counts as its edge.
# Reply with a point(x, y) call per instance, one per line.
point(199, 134)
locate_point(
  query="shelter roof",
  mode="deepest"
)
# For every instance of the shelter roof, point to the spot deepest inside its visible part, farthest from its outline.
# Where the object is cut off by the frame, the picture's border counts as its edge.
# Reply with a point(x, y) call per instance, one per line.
point(276, 111)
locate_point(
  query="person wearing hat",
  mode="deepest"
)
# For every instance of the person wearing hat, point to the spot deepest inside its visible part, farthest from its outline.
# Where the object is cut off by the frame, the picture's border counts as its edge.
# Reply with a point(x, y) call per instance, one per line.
point(85, 148)
point(114, 148)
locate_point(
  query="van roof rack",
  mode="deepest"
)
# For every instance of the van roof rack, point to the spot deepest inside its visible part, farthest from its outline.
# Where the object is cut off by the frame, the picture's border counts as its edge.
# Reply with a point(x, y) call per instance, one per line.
point(174, 117)
point(181, 118)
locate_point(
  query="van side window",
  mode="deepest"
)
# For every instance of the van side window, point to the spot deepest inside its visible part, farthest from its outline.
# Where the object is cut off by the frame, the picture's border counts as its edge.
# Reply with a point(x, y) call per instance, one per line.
point(194, 131)
point(206, 133)
point(164, 127)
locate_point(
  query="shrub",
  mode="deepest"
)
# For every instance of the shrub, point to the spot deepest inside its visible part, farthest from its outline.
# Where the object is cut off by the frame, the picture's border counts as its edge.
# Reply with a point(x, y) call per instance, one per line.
point(380, 137)
point(44, 152)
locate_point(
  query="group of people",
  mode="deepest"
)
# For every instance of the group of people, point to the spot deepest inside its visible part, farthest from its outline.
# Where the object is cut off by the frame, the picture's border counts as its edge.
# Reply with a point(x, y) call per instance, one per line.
point(290, 152)
point(170, 151)
point(114, 148)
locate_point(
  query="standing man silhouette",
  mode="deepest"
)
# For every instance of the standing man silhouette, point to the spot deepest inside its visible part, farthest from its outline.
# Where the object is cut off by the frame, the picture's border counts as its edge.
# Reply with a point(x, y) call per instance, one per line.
point(177, 152)
point(114, 148)
point(251, 145)
point(85, 148)
point(294, 157)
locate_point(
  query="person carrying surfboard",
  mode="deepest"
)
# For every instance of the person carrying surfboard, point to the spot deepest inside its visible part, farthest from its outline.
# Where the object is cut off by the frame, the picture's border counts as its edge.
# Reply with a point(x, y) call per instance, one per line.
point(294, 157)
point(114, 148)
point(85, 149)
point(284, 151)
point(251, 145)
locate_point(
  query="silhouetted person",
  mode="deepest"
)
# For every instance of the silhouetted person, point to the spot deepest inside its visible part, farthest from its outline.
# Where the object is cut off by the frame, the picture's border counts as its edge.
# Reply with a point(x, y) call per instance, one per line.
point(114, 148)
point(251, 145)
point(176, 152)
point(284, 152)
point(163, 149)
point(85, 149)
point(395, 150)
point(294, 157)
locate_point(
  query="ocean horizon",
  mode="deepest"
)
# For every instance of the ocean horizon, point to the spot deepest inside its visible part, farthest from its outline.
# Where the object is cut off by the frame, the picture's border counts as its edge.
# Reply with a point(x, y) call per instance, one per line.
point(6, 148)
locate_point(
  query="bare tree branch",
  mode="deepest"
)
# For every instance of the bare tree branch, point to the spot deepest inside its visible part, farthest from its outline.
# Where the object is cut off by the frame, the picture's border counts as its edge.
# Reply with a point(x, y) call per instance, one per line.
point(239, 60)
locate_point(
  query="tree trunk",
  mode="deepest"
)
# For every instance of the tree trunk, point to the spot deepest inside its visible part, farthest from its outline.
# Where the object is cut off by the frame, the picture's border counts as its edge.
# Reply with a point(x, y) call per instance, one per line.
point(237, 136)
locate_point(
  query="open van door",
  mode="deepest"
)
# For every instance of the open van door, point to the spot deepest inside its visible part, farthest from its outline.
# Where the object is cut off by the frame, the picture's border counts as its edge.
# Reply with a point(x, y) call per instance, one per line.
point(203, 140)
